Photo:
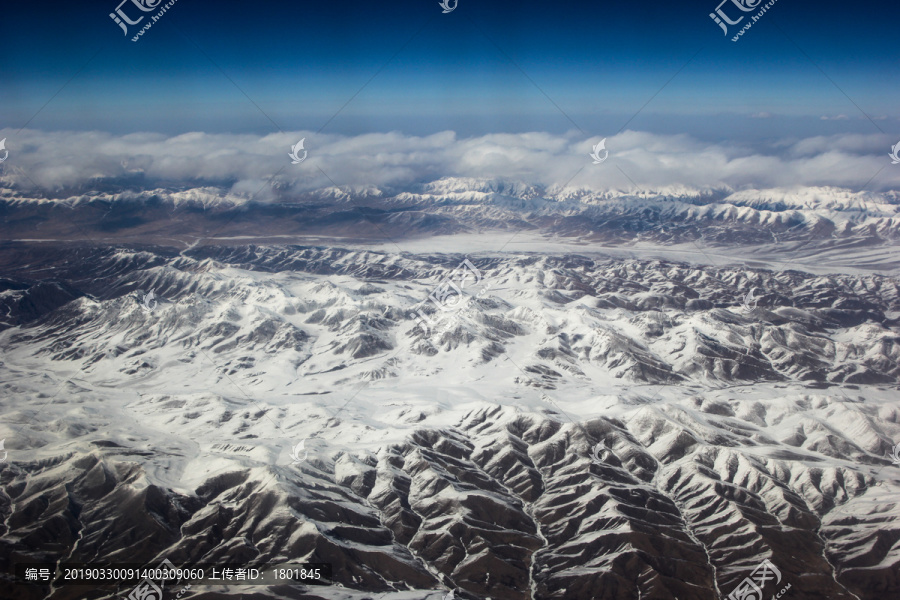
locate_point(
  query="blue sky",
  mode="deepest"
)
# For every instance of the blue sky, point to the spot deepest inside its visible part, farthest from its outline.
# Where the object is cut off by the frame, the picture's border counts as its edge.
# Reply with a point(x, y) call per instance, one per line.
point(238, 67)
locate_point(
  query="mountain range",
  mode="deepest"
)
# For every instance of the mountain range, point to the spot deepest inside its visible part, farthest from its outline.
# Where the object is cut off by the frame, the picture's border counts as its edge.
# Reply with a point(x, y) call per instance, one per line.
point(581, 425)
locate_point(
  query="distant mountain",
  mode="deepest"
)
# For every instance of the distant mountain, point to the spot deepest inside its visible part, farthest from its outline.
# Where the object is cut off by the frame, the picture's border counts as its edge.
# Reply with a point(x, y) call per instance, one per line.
point(826, 218)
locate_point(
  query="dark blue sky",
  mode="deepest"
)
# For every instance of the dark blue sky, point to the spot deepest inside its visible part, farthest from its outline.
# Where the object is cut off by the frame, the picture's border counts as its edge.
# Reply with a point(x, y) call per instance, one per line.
point(599, 63)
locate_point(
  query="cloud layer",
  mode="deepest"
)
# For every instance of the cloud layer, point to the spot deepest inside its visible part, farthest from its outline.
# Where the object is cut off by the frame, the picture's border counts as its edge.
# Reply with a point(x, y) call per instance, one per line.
point(246, 163)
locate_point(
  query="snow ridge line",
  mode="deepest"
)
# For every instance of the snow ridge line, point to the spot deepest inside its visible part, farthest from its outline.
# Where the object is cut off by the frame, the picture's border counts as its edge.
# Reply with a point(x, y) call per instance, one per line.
point(425, 564)
point(834, 574)
point(528, 507)
point(380, 514)
point(80, 531)
point(688, 527)
point(529, 510)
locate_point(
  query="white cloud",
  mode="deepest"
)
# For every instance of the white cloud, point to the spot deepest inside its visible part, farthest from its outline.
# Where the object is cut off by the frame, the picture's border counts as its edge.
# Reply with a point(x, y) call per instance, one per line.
point(246, 163)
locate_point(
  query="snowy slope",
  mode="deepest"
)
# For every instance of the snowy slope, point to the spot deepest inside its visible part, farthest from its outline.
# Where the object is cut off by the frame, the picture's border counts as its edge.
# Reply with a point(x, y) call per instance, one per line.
point(586, 427)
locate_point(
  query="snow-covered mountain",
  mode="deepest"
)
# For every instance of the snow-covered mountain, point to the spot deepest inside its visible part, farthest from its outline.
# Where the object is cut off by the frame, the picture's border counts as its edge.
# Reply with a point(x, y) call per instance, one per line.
point(816, 220)
point(582, 426)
